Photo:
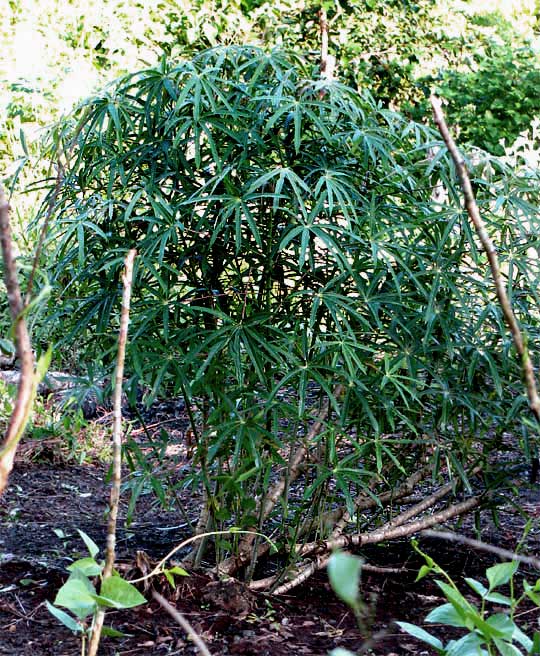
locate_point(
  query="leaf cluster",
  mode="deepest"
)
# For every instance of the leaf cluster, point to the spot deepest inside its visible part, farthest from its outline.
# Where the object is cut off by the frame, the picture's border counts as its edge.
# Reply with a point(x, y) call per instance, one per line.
point(487, 633)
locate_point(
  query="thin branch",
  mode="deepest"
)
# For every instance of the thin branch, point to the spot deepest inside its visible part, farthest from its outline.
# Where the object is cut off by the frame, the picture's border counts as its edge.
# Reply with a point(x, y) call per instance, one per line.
point(303, 574)
point(404, 530)
point(43, 232)
point(323, 26)
point(268, 582)
point(328, 62)
point(482, 546)
point(402, 518)
point(60, 175)
point(178, 617)
point(487, 243)
point(373, 537)
point(27, 383)
point(117, 445)
point(364, 501)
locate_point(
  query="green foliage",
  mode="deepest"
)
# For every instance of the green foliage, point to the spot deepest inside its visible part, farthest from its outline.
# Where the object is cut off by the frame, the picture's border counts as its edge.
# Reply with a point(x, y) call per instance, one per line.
point(344, 576)
point(79, 595)
point(344, 572)
point(487, 633)
point(493, 103)
point(288, 241)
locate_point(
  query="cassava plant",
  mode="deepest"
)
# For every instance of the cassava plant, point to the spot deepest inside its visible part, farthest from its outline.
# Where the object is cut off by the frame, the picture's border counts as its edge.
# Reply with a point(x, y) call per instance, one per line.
point(324, 318)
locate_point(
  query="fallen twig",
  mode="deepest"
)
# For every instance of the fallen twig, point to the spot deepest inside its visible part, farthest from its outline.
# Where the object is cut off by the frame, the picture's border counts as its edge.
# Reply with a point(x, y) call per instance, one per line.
point(364, 501)
point(482, 546)
point(403, 517)
point(390, 532)
point(178, 617)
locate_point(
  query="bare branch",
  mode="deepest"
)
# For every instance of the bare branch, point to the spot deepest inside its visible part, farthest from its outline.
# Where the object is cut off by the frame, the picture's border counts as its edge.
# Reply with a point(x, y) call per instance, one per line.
point(27, 384)
point(487, 243)
point(400, 519)
point(364, 501)
point(275, 493)
point(390, 532)
point(60, 174)
point(482, 546)
point(117, 445)
point(43, 232)
point(328, 62)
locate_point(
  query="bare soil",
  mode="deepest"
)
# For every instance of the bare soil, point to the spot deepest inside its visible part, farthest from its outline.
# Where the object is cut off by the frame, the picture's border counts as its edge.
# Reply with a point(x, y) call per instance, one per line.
point(49, 498)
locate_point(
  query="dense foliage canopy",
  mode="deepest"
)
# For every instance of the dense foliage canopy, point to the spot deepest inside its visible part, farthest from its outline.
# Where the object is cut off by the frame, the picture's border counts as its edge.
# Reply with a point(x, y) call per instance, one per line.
point(290, 239)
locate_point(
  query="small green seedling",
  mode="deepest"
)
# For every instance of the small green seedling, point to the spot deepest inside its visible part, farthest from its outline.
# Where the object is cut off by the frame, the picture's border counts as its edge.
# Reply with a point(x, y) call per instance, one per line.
point(80, 597)
point(486, 634)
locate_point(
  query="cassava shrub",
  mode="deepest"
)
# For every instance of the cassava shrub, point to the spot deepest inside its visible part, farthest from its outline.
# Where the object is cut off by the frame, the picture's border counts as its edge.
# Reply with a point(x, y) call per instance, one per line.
point(288, 240)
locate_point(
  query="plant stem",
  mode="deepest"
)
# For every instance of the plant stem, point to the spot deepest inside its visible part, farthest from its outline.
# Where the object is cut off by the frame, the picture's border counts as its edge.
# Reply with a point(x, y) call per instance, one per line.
point(491, 252)
point(117, 446)
point(27, 383)
point(178, 617)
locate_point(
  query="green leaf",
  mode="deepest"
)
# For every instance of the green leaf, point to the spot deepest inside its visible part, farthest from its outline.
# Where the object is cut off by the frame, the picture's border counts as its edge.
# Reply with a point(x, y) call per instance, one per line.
point(497, 598)
point(169, 577)
point(118, 593)
point(7, 347)
point(179, 571)
point(532, 592)
point(478, 587)
point(502, 624)
point(421, 634)
point(23, 142)
point(535, 648)
point(506, 648)
point(424, 571)
point(467, 611)
point(43, 364)
point(446, 614)
point(87, 566)
point(469, 645)
point(501, 574)
point(113, 633)
point(522, 639)
point(344, 574)
point(67, 620)
point(77, 595)
point(92, 547)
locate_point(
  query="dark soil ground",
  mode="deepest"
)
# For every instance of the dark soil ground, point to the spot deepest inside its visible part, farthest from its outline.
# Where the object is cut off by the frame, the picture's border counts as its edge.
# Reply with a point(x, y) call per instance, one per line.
point(50, 497)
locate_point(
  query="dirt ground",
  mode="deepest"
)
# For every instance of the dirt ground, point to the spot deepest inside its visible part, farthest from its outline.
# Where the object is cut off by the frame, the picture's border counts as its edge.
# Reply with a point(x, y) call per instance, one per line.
point(50, 498)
